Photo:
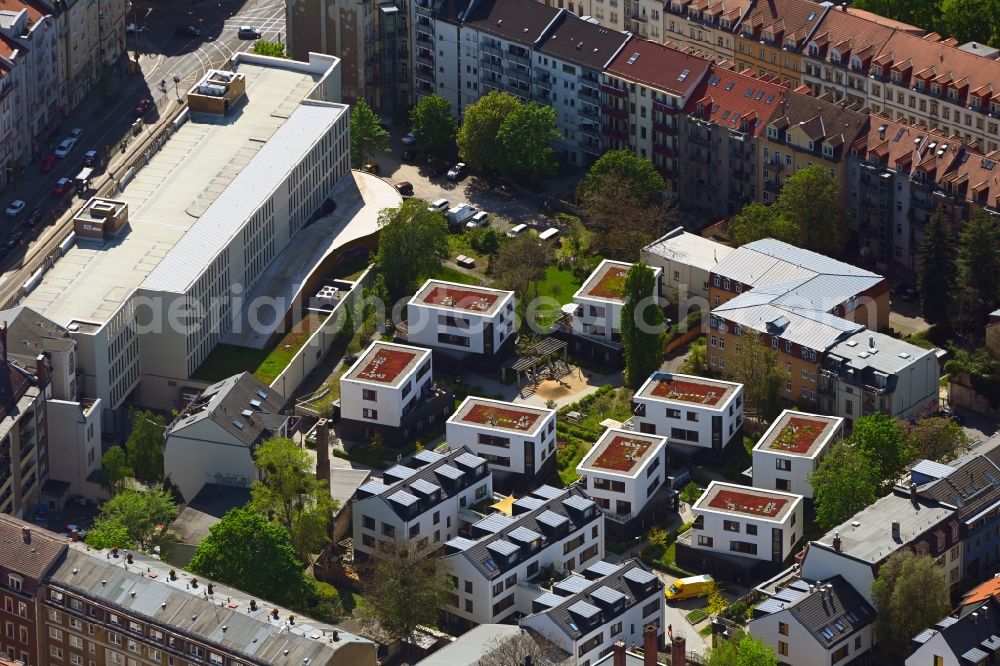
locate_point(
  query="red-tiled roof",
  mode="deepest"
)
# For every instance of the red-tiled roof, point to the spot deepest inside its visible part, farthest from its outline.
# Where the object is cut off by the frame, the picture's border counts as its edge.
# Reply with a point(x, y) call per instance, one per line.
point(785, 19)
point(894, 143)
point(898, 25)
point(35, 12)
point(937, 61)
point(821, 120)
point(658, 66)
point(30, 553)
point(729, 98)
point(982, 592)
point(851, 34)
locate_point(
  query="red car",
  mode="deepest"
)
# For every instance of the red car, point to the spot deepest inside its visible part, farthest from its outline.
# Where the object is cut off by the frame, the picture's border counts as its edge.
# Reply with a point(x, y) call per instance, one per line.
point(48, 162)
point(62, 186)
point(142, 107)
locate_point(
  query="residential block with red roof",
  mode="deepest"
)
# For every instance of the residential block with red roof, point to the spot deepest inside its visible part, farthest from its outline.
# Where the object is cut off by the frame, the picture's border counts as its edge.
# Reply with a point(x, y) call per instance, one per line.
point(790, 450)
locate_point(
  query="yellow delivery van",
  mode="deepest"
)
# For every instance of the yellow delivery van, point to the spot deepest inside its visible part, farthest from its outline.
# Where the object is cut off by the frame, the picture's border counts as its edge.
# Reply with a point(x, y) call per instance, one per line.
point(686, 588)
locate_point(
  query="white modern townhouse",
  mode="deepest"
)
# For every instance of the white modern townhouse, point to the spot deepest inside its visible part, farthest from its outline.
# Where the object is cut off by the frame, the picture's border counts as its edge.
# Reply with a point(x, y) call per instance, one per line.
point(791, 450)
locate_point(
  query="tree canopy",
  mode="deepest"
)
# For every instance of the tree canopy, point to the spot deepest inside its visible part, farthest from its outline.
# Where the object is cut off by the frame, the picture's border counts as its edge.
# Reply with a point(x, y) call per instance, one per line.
point(434, 127)
point(845, 482)
point(644, 182)
point(290, 495)
point(882, 438)
point(936, 438)
point(412, 243)
point(978, 266)
point(131, 518)
point(405, 588)
point(115, 470)
point(757, 220)
point(145, 445)
point(247, 551)
point(936, 270)
point(910, 594)
point(641, 325)
point(971, 20)
point(755, 365)
point(744, 650)
point(266, 47)
point(518, 263)
point(502, 136)
point(367, 134)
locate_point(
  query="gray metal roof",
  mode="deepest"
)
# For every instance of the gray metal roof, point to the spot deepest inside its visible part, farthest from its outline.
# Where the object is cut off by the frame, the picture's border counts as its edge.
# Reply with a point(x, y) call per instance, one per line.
point(460, 543)
point(424, 487)
point(404, 498)
point(470, 647)
point(572, 584)
point(809, 328)
point(602, 568)
point(427, 456)
point(890, 358)
point(690, 249)
point(528, 502)
point(974, 655)
point(494, 523)
point(768, 261)
point(607, 595)
point(503, 547)
point(546, 492)
point(641, 576)
point(524, 535)
point(374, 487)
point(549, 600)
point(583, 609)
point(551, 519)
point(241, 405)
point(578, 502)
point(932, 468)
point(470, 460)
point(399, 472)
point(449, 472)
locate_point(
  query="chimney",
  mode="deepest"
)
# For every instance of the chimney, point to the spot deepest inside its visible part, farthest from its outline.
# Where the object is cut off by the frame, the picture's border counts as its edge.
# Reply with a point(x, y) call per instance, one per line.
point(3, 341)
point(25, 531)
point(678, 650)
point(618, 650)
point(41, 371)
point(323, 451)
point(650, 642)
point(895, 530)
point(836, 541)
point(913, 493)
point(871, 341)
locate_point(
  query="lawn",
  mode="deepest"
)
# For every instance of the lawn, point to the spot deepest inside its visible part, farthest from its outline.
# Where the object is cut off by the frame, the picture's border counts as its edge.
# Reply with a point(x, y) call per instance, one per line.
point(351, 269)
point(449, 274)
point(265, 364)
point(558, 284)
point(575, 438)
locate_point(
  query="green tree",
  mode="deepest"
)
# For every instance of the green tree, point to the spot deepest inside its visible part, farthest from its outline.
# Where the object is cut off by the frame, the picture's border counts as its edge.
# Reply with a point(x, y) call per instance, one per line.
point(936, 438)
point(756, 221)
point(367, 134)
point(518, 263)
point(412, 243)
point(742, 650)
point(268, 48)
point(525, 138)
point(115, 470)
point(691, 492)
point(138, 512)
point(883, 439)
point(434, 127)
point(145, 445)
point(971, 20)
point(247, 551)
point(642, 179)
point(109, 533)
point(809, 201)
point(922, 13)
point(405, 588)
point(621, 197)
point(715, 602)
point(845, 482)
point(696, 362)
point(641, 325)
point(910, 593)
point(290, 495)
point(755, 365)
point(978, 266)
point(479, 136)
point(936, 270)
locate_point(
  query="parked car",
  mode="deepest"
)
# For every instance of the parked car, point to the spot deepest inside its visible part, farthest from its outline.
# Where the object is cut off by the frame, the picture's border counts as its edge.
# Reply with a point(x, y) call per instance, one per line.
point(132, 27)
point(480, 219)
point(14, 209)
point(90, 158)
point(187, 30)
point(409, 139)
point(405, 188)
point(686, 588)
point(48, 163)
point(14, 239)
point(458, 172)
point(517, 230)
point(248, 32)
point(62, 186)
point(64, 147)
point(371, 167)
point(142, 107)
point(75, 132)
point(440, 205)
point(949, 412)
point(34, 217)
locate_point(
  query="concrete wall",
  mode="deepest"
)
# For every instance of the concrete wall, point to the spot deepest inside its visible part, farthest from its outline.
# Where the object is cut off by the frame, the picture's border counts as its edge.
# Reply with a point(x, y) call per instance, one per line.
point(205, 453)
point(713, 527)
point(74, 445)
point(465, 434)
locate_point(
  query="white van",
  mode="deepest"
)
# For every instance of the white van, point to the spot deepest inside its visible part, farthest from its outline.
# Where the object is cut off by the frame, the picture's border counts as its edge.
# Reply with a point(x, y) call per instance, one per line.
point(548, 234)
point(460, 214)
point(480, 219)
point(517, 230)
point(438, 206)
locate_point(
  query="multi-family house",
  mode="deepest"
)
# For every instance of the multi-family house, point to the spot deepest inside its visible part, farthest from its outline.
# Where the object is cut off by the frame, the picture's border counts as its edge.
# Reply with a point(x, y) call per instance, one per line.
point(420, 503)
point(593, 608)
point(823, 623)
point(390, 393)
point(770, 38)
point(518, 440)
point(464, 325)
point(694, 413)
point(740, 530)
point(704, 28)
point(791, 450)
point(966, 638)
point(686, 260)
point(27, 555)
point(214, 440)
point(625, 473)
point(495, 567)
point(721, 131)
point(806, 131)
point(595, 327)
point(643, 91)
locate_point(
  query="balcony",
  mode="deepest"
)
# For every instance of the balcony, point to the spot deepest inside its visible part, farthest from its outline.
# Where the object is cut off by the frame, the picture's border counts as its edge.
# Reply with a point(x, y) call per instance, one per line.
point(586, 92)
point(611, 90)
point(700, 140)
point(613, 112)
point(590, 129)
point(664, 108)
point(589, 112)
point(491, 49)
point(772, 186)
point(616, 134)
point(663, 128)
point(665, 151)
point(518, 74)
point(776, 165)
point(518, 59)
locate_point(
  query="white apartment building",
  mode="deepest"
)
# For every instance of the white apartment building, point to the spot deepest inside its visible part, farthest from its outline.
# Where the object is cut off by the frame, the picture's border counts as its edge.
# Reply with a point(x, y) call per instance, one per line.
point(685, 260)
point(747, 522)
point(463, 323)
point(152, 308)
point(622, 473)
point(826, 622)
point(213, 441)
point(590, 610)
point(390, 392)
point(517, 440)
point(791, 450)
point(494, 568)
point(420, 504)
point(693, 413)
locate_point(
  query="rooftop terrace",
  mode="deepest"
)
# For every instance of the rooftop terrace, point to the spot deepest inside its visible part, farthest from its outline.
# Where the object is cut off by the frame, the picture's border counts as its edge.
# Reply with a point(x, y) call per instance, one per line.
point(607, 282)
point(799, 433)
point(687, 388)
point(746, 501)
point(385, 363)
point(460, 297)
point(621, 451)
point(499, 415)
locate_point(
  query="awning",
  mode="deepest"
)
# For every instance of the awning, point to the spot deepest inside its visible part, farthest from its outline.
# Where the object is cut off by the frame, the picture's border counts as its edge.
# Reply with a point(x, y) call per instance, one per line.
point(505, 506)
point(84, 174)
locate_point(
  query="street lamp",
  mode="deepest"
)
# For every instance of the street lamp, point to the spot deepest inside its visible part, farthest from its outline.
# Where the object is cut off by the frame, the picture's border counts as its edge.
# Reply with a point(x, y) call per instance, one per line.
point(177, 81)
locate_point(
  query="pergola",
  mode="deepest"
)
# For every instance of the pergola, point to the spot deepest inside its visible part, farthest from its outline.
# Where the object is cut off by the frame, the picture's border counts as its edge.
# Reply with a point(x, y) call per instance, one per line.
point(541, 353)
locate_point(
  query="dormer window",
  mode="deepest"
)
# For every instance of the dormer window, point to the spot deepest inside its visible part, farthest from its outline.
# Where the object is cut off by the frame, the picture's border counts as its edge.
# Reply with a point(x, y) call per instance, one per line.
point(953, 94)
point(725, 23)
point(877, 70)
point(975, 103)
point(772, 132)
point(790, 44)
point(827, 150)
point(768, 36)
point(747, 31)
point(936, 88)
point(812, 145)
point(813, 50)
point(896, 76)
point(919, 85)
point(835, 56)
point(993, 107)
point(856, 62)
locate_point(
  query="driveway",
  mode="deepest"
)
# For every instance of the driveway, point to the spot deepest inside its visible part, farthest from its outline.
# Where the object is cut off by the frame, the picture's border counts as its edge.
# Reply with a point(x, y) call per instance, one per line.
point(675, 617)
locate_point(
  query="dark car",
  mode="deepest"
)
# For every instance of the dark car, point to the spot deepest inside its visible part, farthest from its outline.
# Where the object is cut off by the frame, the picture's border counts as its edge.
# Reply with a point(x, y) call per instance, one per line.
point(949, 412)
point(90, 158)
point(411, 155)
point(48, 163)
point(405, 188)
point(458, 172)
point(142, 107)
point(34, 217)
point(62, 186)
point(14, 239)
point(248, 32)
point(187, 31)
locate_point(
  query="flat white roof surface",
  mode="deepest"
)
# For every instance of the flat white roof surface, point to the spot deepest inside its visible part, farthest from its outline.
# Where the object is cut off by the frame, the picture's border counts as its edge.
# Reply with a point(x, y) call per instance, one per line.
point(690, 249)
point(187, 182)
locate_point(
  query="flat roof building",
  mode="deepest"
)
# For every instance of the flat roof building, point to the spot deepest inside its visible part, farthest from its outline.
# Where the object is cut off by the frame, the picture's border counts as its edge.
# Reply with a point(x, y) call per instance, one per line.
point(687, 260)
point(790, 450)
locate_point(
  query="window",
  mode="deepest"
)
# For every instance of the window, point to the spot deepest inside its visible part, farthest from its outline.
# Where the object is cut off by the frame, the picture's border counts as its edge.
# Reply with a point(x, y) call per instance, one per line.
point(55, 634)
point(751, 529)
point(14, 582)
point(838, 654)
point(368, 523)
point(783, 648)
point(783, 628)
point(369, 413)
point(114, 638)
point(784, 464)
point(76, 660)
point(215, 658)
point(75, 641)
point(730, 526)
point(468, 587)
point(75, 624)
point(55, 616)
point(369, 394)
point(56, 652)
point(468, 605)
point(388, 530)
point(133, 646)
point(705, 541)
